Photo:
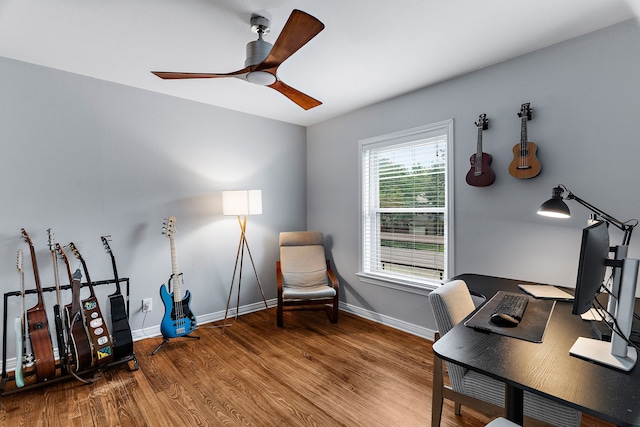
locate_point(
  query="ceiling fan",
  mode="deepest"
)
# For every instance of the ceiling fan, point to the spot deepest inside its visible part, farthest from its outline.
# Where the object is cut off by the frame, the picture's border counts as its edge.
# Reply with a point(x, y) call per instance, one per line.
point(263, 59)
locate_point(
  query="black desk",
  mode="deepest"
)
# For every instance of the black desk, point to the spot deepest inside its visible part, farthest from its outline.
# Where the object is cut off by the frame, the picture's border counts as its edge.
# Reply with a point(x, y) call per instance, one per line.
point(545, 369)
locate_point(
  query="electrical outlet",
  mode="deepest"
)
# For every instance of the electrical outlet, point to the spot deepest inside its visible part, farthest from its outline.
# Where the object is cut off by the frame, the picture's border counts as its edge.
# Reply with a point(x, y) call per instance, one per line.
point(146, 305)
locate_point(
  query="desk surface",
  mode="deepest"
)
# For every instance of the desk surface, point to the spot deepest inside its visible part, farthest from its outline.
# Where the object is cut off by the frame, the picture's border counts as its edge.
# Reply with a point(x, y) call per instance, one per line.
point(547, 368)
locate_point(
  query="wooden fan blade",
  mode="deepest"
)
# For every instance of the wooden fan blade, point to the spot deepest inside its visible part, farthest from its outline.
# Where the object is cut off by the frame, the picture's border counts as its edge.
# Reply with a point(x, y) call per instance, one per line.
point(303, 100)
point(172, 75)
point(298, 31)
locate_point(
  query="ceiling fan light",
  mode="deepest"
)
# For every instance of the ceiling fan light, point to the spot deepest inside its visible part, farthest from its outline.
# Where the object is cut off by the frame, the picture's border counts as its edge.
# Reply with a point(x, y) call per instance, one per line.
point(261, 78)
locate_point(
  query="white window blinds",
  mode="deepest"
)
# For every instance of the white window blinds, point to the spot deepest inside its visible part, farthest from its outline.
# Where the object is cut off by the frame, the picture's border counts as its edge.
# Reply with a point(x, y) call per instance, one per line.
point(404, 204)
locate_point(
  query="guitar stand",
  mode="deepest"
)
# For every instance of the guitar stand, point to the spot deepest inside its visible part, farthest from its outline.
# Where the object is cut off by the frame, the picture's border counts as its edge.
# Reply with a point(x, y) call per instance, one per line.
point(166, 340)
point(5, 376)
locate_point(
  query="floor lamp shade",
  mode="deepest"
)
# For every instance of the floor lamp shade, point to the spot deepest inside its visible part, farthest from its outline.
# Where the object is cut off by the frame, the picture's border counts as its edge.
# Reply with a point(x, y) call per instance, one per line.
point(242, 202)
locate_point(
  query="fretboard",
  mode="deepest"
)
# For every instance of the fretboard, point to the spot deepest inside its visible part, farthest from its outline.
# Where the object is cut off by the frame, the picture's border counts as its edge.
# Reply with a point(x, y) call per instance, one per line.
point(175, 276)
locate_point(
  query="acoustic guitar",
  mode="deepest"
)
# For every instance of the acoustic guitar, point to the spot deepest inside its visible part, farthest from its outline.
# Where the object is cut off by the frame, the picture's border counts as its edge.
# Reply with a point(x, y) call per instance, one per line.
point(120, 328)
point(79, 339)
point(93, 318)
point(178, 319)
point(38, 326)
point(525, 164)
point(62, 348)
point(481, 174)
point(19, 328)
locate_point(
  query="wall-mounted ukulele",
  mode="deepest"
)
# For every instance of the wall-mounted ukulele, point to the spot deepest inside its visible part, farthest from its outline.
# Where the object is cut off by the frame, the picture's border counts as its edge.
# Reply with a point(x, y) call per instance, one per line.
point(525, 164)
point(481, 174)
point(38, 326)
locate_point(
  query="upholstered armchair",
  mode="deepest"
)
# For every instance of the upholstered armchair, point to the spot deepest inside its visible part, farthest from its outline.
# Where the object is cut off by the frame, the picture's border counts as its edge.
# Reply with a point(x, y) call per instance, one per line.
point(304, 276)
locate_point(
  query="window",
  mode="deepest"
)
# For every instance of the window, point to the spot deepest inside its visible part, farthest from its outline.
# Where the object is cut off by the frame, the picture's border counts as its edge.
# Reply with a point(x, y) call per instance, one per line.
point(406, 205)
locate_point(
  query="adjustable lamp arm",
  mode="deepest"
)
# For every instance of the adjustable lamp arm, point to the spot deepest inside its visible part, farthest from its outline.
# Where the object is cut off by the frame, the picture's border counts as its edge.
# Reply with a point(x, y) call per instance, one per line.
point(624, 226)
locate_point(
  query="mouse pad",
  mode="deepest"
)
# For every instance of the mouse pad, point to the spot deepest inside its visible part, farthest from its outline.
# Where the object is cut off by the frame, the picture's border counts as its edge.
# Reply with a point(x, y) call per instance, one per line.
point(532, 326)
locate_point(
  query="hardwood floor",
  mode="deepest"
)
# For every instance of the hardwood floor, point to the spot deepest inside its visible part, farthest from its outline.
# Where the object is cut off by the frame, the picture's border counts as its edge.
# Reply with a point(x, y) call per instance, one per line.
point(311, 373)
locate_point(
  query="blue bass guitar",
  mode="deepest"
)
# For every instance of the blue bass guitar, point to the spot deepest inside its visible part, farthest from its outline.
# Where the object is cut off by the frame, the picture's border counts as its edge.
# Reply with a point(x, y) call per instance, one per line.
point(178, 319)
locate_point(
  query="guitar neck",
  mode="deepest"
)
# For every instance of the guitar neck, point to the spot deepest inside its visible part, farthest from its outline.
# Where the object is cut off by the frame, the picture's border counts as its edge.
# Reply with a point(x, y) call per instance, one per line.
point(36, 274)
point(479, 151)
point(175, 276)
point(523, 133)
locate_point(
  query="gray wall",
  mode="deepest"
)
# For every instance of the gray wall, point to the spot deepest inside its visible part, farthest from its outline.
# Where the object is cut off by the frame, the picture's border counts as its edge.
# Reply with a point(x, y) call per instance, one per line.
point(585, 94)
point(89, 158)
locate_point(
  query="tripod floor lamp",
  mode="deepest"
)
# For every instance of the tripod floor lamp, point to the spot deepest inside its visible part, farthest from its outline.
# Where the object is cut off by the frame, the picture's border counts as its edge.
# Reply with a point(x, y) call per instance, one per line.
point(241, 203)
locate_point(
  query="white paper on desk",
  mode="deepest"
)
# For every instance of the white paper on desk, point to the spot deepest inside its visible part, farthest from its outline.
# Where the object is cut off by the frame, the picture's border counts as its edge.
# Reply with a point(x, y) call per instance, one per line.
point(546, 292)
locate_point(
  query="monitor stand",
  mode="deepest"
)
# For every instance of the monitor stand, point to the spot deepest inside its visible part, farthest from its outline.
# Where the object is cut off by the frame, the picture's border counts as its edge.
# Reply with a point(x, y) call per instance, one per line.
point(600, 352)
point(616, 354)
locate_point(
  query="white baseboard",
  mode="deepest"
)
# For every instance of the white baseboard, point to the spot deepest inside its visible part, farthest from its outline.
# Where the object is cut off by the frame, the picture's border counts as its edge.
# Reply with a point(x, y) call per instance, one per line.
point(154, 331)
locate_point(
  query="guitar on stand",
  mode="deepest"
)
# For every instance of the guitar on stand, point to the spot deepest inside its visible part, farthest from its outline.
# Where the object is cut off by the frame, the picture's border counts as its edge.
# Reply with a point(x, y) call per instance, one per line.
point(93, 318)
point(19, 328)
point(525, 164)
point(62, 347)
point(481, 174)
point(121, 330)
point(38, 327)
point(178, 319)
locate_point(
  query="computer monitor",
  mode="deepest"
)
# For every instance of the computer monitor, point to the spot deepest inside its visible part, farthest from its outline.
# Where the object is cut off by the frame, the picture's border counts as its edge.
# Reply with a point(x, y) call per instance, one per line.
point(592, 266)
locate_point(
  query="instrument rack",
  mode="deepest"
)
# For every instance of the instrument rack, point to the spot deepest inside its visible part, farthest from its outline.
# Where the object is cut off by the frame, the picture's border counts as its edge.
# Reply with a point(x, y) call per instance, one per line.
point(8, 377)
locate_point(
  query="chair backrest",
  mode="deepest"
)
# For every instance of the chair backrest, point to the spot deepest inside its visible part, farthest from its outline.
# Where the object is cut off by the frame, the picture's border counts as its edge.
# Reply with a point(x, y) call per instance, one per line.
point(451, 303)
point(302, 259)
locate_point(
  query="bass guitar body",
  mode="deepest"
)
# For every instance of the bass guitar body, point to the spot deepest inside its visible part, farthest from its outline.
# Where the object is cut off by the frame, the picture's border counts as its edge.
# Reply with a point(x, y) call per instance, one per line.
point(178, 319)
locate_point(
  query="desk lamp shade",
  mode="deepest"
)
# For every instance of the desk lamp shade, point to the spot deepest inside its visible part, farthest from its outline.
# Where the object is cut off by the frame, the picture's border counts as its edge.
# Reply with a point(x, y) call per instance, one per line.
point(555, 207)
point(242, 202)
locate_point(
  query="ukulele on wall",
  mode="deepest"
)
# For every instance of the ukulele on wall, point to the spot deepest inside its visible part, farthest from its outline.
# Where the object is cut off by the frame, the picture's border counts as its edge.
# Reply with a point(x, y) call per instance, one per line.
point(481, 174)
point(525, 164)
point(178, 319)
point(38, 326)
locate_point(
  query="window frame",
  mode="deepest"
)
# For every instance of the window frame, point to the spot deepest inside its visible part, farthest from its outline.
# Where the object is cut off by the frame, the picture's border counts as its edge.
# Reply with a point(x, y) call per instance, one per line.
point(400, 138)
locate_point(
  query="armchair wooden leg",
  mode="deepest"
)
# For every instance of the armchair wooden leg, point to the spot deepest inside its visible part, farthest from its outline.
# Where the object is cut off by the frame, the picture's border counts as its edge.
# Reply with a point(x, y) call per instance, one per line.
point(438, 392)
point(279, 315)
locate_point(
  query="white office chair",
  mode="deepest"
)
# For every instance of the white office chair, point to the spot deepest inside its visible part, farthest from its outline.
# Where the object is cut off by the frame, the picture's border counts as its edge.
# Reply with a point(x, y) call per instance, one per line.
point(451, 303)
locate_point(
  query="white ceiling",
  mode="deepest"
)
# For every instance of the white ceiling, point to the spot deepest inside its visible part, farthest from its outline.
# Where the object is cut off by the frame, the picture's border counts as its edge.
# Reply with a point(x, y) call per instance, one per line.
point(370, 50)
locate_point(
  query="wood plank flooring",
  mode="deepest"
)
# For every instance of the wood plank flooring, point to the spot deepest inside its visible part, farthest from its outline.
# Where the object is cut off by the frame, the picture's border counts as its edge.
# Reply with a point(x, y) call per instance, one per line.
point(311, 373)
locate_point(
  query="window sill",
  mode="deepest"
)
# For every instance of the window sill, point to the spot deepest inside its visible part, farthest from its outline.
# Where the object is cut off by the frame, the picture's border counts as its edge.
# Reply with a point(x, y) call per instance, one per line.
point(399, 285)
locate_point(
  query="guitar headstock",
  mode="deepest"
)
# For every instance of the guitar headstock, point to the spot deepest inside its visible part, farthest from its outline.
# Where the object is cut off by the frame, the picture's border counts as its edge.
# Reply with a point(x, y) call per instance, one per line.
point(50, 240)
point(77, 275)
point(169, 227)
point(26, 236)
point(483, 122)
point(19, 260)
point(75, 250)
point(105, 243)
point(61, 253)
point(525, 111)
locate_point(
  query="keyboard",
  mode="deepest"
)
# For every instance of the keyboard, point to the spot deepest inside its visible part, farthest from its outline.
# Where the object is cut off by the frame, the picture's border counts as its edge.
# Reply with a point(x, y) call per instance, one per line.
point(512, 305)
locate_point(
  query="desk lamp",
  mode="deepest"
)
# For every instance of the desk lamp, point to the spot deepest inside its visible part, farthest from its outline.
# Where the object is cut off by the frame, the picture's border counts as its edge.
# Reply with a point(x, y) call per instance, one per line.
point(241, 203)
point(555, 207)
point(622, 294)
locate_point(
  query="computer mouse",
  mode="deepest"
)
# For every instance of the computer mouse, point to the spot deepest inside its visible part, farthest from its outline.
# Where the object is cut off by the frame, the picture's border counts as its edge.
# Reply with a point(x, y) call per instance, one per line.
point(501, 319)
